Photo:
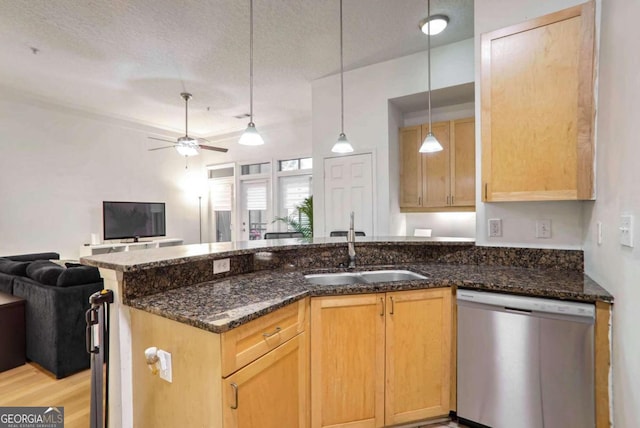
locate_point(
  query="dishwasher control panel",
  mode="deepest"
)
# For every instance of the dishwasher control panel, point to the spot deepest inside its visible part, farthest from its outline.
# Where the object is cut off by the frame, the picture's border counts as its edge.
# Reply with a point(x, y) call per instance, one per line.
point(527, 304)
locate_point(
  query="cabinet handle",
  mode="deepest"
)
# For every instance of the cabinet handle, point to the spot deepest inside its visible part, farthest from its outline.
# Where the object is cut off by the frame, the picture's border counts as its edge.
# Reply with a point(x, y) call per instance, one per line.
point(276, 331)
point(451, 199)
point(485, 191)
point(391, 311)
point(419, 200)
point(381, 307)
point(235, 393)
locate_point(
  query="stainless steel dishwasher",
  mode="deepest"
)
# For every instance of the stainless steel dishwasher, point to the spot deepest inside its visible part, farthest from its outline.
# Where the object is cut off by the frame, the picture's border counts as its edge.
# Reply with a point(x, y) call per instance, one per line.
point(524, 362)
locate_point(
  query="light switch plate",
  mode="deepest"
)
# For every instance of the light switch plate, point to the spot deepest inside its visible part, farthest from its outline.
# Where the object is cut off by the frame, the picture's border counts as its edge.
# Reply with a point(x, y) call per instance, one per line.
point(221, 266)
point(626, 230)
point(495, 228)
point(543, 229)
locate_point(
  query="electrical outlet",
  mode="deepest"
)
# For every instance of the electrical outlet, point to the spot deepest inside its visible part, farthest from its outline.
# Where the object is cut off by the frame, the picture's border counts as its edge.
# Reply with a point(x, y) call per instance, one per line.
point(495, 227)
point(626, 230)
point(221, 266)
point(543, 229)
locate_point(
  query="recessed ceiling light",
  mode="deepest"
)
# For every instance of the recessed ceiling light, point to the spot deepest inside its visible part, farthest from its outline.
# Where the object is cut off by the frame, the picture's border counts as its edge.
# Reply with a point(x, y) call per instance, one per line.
point(434, 25)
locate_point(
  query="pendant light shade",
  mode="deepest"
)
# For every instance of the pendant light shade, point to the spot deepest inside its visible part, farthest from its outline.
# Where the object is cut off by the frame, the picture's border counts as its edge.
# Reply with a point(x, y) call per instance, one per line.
point(251, 137)
point(342, 145)
point(430, 143)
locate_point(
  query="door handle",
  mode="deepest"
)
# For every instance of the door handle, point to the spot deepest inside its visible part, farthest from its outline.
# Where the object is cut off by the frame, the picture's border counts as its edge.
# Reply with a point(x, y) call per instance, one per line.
point(235, 393)
point(381, 307)
point(276, 331)
point(391, 299)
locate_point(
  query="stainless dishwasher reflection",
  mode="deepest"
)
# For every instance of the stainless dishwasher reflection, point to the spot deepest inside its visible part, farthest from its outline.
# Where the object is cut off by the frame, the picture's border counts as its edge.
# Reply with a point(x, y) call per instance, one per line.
point(524, 362)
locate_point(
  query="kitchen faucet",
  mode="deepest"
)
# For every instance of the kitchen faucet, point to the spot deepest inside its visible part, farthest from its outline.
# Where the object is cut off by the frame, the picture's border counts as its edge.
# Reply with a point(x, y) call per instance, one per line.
point(351, 241)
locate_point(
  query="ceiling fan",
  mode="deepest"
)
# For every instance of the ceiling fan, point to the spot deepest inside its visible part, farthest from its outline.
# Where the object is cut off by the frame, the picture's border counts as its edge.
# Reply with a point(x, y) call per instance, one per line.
point(187, 146)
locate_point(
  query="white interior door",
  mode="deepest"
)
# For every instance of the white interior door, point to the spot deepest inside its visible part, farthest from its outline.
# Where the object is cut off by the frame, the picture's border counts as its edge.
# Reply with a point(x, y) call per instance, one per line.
point(348, 186)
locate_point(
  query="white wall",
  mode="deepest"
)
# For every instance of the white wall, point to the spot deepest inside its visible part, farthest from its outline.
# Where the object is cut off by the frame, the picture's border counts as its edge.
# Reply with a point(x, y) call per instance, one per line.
point(369, 121)
point(518, 219)
point(615, 267)
point(58, 165)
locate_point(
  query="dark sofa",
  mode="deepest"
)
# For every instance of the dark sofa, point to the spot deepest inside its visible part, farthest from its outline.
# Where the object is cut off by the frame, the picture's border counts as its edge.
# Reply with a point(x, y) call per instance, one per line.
point(57, 298)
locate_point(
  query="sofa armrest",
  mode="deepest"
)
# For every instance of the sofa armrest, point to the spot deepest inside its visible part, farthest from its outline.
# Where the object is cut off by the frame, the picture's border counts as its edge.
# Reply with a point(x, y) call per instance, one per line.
point(55, 324)
point(33, 257)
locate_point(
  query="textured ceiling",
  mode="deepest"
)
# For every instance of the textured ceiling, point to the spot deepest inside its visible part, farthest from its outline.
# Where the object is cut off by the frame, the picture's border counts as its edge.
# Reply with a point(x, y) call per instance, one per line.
point(131, 58)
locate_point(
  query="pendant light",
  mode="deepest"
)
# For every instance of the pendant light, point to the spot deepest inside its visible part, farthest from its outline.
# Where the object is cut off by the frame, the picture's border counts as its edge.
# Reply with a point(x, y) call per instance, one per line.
point(430, 143)
point(251, 137)
point(342, 145)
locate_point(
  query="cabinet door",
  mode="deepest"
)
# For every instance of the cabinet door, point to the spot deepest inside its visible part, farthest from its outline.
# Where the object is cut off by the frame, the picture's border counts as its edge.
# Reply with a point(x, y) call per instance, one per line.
point(410, 167)
point(463, 163)
point(271, 392)
point(347, 361)
point(418, 354)
point(537, 108)
point(435, 168)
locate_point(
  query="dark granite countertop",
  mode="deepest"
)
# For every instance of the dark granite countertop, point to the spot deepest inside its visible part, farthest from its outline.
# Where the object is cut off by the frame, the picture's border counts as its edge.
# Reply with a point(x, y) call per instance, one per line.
point(132, 261)
point(218, 306)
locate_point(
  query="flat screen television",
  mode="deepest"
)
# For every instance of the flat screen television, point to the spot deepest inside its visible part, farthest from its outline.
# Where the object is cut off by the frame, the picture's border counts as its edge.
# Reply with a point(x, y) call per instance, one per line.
point(124, 220)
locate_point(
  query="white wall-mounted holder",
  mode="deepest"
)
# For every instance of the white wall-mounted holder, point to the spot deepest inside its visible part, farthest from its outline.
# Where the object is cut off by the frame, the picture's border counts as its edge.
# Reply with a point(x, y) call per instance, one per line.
point(159, 362)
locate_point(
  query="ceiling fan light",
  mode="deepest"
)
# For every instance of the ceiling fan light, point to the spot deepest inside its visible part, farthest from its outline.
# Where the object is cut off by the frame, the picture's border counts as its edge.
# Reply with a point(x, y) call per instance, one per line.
point(342, 145)
point(187, 150)
point(430, 144)
point(251, 136)
point(434, 25)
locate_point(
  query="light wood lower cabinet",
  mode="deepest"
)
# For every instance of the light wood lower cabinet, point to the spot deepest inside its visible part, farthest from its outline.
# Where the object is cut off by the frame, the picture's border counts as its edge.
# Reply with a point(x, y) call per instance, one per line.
point(254, 376)
point(380, 359)
point(272, 391)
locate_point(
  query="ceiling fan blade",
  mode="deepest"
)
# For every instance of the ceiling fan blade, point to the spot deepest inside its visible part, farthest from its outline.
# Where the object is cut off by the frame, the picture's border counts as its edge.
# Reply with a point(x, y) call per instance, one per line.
point(162, 139)
point(215, 149)
point(160, 148)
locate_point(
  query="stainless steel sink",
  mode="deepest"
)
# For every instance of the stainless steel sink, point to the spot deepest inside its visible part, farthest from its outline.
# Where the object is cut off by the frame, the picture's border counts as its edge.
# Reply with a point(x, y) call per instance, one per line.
point(390, 276)
point(332, 278)
point(365, 277)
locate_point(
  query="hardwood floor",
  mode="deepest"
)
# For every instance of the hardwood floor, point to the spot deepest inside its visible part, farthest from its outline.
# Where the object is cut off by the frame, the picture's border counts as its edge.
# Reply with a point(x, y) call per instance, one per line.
point(29, 385)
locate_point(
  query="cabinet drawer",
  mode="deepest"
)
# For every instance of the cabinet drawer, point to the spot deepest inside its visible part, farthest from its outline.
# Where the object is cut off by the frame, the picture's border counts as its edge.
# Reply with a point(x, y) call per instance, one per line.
point(250, 341)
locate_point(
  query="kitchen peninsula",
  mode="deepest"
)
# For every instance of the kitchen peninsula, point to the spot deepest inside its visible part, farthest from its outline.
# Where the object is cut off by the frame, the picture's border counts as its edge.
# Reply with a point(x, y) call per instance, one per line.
point(262, 316)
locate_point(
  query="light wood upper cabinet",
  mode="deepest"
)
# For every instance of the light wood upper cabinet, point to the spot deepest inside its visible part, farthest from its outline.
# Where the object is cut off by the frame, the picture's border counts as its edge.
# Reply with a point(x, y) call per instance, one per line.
point(380, 359)
point(537, 83)
point(441, 181)
point(463, 163)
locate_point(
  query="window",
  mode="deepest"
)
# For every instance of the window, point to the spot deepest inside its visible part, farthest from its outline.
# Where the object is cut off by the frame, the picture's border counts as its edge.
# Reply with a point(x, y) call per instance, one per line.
point(222, 203)
point(295, 164)
point(256, 168)
point(255, 209)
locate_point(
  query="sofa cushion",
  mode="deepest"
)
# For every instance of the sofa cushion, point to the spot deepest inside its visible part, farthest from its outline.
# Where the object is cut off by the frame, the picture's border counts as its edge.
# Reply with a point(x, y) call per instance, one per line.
point(44, 272)
point(13, 268)
point(77, 275)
